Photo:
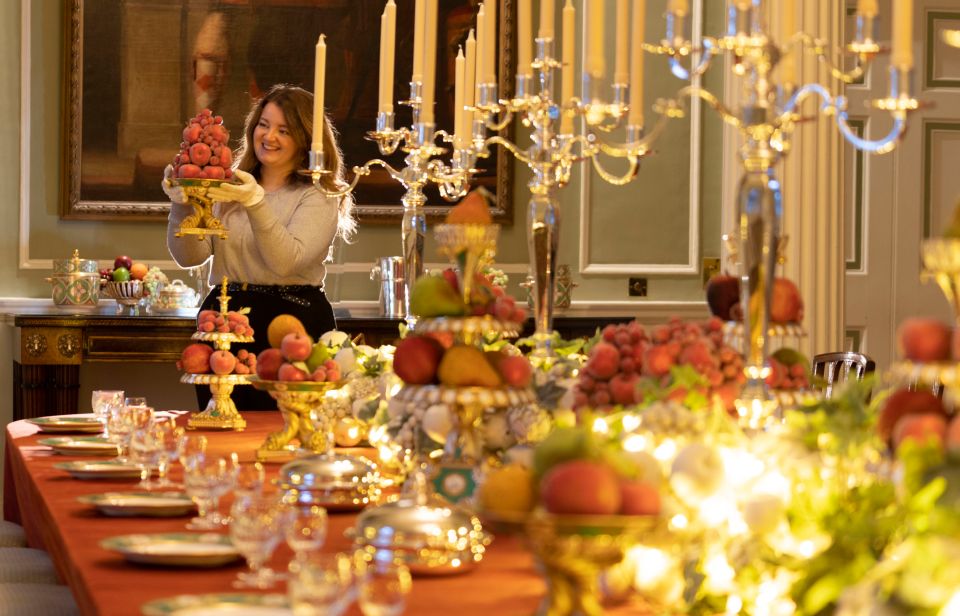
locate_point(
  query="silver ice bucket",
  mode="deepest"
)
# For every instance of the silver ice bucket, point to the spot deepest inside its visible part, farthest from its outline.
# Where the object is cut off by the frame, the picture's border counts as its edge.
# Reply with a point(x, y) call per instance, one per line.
point(392, 290)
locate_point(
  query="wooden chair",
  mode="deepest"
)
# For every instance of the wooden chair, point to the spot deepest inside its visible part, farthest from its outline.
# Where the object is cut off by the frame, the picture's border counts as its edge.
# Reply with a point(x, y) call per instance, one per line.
point(835, 368)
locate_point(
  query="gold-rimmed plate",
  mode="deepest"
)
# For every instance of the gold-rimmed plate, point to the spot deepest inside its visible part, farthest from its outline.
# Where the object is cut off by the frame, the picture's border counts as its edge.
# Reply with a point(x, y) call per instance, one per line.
point(105, 469)
point(174, 549)
point(80, 445)
point(225, 604)
point(85, 423)
point(140, 504)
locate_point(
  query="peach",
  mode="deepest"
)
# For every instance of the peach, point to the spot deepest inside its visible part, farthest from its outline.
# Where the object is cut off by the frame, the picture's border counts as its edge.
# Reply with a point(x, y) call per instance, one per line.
point(905, 402)
point(189, 171)
point(199, 154)
point(191, 133)
point(516, 371)
point(268, 363)
point(289, 372)
point(416, 359)
point(319, 374)
point(786, 305)
point(581, 487)
point(222, 362)
point(195, 359)
point(296, 346)
point(639, 498)
point(213, 172)
point(924, 339)
point(921, 428)
point(723, 292)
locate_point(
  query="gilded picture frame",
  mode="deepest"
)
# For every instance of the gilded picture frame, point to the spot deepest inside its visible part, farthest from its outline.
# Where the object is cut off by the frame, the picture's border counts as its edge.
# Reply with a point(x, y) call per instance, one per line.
point(136, 71)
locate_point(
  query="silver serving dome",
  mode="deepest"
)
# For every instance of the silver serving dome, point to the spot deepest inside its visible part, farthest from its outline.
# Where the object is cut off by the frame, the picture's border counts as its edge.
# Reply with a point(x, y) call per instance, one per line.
point(335, 481)
point(430, 535)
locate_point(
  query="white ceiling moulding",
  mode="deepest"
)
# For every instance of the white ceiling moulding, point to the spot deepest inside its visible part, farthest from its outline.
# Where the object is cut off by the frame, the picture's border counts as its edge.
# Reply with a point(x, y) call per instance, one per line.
point(691, 265)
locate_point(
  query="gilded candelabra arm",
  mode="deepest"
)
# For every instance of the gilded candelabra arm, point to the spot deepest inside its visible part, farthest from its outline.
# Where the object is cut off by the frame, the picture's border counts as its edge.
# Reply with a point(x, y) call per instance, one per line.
point(686, 74)
point(823, 53)
point(588, 148)
point(638, 147)
point(676, 108)
point(517, 152)
point(452, 182)
point(506, 116)
point(837, 106)
point(617, 180)
point(366, 168)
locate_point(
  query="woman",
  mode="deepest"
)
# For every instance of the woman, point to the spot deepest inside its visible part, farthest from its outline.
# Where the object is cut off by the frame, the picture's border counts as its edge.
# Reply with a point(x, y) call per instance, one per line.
point(280, 228)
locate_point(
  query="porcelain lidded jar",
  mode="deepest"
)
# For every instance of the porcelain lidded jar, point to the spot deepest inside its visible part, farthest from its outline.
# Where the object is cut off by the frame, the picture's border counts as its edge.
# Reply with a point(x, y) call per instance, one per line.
point(75, 282)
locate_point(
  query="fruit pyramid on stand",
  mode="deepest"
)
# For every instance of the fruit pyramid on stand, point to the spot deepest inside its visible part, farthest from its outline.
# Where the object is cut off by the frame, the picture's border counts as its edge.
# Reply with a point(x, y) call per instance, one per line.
point(210, 362)
point(204, 160)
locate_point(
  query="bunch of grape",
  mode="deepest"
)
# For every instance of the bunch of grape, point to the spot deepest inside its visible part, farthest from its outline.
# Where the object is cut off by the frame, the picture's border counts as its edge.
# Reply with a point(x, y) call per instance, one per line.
point(787, 377)
point(529, 423)
point(246, 362)
point(612, 371)
point(209, 321)
point(672, 418)
point(204, 151)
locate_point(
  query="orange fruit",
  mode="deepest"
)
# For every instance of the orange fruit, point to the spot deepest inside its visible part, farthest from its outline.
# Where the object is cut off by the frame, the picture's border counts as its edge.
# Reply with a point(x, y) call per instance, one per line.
point(138, 271)
point(280, 326)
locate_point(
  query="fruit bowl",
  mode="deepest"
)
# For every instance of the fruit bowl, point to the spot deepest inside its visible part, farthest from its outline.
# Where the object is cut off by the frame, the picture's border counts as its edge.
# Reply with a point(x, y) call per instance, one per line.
point(127, 293)
point(298, 402)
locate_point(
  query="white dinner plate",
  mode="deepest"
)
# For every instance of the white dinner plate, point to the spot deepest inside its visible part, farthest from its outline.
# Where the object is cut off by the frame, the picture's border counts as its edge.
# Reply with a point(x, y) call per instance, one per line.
point(80, 445)
point(176, 549)
point(86, 423)
point(144, 504)
point(105, 469)
point(233, 604)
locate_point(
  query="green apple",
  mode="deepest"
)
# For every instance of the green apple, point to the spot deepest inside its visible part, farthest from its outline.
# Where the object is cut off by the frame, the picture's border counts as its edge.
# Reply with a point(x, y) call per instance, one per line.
point(121, 274)
point(317, 356)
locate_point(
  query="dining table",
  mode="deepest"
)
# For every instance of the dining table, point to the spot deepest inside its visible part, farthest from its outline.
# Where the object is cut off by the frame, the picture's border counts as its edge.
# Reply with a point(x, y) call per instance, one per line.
point(44, 499)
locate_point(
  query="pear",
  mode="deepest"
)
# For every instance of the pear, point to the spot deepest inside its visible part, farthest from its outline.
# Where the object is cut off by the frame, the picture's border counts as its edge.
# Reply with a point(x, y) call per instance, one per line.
point(318, 355)
point(473, 209)
point(466, 366)
point(432, 296)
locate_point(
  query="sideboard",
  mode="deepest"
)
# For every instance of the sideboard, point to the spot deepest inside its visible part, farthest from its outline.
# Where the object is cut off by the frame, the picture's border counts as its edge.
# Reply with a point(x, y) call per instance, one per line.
point(50, 346)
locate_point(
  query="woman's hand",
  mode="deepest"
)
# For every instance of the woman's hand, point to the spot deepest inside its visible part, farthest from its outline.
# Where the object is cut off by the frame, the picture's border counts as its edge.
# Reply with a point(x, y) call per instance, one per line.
point(247, 193)
point(173, 192)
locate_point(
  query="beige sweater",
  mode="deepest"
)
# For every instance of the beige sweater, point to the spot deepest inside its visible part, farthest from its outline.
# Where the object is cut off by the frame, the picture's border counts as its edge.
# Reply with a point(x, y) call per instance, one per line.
point(282, 240)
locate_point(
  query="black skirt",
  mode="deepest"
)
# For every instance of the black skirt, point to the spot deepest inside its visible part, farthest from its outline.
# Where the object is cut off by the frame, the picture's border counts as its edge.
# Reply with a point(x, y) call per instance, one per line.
point(307, 303)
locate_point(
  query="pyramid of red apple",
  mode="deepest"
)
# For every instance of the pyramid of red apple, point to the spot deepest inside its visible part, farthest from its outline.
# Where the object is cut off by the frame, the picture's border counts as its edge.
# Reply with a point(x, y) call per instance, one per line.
point(205, 150)
point(294, 356)
point(626, 354)
point(201, 358)
point(424, 360)
point(723, 298)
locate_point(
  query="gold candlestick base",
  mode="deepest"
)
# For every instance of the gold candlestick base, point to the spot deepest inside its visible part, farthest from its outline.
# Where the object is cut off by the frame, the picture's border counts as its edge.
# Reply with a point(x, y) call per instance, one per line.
point(221, 413)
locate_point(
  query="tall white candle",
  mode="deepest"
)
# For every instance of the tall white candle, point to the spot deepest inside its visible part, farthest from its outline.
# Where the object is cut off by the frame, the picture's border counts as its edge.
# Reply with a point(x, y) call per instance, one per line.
point(419, 25)
point(490, 62)
point(596, 62)
point(568, 36)
point(469, 83)
point(678, 7)
point(429, 62)
point(902, 55)
point(788, 22)
point(459, 139)
point(638, 26)
point(867, 8)
point(546, 19)
point(480, 71)
point(388, 34)
point(524, 36)
point(620, 71)
point(319, 75)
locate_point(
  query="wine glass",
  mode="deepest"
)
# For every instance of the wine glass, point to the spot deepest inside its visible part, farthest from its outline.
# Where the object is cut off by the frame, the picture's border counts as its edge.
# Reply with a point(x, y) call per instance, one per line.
point(134, 401)
point(121, 422)
point(383, 588)
point(143, 454)
point(101, 400)
point(190, 447)
point(155, 446)
point(250, 479)
point(321, 585)
point(206, 478)
point(255, 532)
point(305, 529)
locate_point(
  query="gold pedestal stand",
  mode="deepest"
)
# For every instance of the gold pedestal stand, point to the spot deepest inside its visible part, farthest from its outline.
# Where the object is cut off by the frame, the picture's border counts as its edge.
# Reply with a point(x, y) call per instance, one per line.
point(297, 401)
point(202, 222)
point(221, 413)
point(571, 552)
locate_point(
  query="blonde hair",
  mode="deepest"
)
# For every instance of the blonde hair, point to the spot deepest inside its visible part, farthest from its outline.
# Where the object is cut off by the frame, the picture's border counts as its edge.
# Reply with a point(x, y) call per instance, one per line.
point(297, 107)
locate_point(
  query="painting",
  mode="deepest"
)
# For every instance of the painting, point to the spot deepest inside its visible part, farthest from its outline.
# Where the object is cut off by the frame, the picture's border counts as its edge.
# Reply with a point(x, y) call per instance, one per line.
point(136, 71)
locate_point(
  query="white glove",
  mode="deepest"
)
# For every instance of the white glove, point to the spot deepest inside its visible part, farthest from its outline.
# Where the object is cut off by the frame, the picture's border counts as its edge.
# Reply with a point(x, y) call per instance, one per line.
point(173, 192)
point(247, 193)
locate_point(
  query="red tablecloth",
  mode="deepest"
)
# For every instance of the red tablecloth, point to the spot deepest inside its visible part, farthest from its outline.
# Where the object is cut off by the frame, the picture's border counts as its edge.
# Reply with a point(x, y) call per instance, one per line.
point(44, 500)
